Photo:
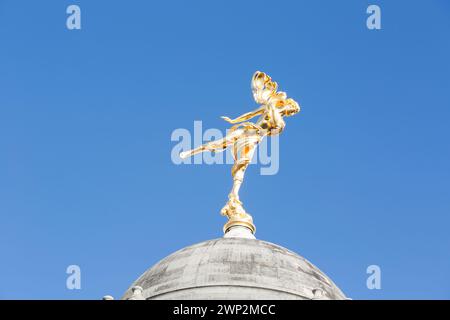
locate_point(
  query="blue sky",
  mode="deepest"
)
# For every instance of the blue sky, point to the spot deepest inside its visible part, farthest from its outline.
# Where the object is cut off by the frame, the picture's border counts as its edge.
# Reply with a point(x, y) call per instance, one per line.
point(86, 117)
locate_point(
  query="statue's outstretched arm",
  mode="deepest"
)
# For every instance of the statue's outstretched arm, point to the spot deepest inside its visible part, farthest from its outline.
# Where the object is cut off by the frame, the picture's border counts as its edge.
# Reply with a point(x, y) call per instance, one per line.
point(246, 116)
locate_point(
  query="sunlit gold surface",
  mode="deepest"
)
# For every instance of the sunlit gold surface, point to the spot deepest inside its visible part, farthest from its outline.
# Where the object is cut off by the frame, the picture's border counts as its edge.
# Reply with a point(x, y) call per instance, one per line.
point(244, 137)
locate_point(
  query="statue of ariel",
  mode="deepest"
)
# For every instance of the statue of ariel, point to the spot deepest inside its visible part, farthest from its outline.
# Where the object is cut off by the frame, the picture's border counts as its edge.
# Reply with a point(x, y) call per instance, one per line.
point(245, 136)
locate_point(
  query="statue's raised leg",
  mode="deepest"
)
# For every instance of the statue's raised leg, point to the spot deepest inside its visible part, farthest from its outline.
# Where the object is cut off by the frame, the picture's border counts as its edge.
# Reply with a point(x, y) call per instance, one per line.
point(213, 146)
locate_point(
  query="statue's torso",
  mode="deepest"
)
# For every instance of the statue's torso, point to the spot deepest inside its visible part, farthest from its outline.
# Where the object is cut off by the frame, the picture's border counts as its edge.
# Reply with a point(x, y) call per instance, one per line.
point(272, 121)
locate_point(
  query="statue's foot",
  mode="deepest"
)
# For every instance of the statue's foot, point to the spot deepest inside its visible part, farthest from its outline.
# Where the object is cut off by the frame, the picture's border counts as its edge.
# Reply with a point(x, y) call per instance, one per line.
point(236, 214)
point(233, 207)
point(226, 210)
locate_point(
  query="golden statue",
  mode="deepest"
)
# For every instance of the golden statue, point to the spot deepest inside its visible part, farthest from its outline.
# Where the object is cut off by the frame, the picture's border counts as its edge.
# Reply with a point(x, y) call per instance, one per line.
point(244, 138)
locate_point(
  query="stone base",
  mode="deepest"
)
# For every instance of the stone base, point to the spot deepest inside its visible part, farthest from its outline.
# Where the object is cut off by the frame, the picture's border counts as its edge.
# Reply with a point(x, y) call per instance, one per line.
point(240, 219)
point(239, 232)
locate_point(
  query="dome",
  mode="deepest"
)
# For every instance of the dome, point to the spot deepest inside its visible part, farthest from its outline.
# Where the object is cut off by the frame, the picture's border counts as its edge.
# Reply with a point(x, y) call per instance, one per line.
point(234, 268)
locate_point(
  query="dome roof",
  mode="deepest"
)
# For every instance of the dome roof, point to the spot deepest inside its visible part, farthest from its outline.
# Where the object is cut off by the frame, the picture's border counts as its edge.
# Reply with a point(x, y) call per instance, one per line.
point(234, 268)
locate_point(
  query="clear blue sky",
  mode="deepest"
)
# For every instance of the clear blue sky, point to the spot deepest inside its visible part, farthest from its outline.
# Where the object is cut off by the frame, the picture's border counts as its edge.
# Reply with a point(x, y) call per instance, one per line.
point(86, 116)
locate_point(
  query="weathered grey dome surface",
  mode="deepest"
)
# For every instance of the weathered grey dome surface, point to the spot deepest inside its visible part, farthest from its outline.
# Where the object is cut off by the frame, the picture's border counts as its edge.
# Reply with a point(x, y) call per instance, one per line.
point(235, 268)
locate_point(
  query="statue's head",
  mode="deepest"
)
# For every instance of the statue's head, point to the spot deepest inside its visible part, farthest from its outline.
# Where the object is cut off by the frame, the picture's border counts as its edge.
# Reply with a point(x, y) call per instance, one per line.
point(263, 87)
point(265, 92)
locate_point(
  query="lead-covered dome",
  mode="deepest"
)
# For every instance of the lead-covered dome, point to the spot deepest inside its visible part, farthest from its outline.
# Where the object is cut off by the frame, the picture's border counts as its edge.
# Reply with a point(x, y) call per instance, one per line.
point(234, 268)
